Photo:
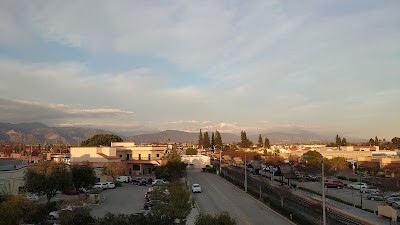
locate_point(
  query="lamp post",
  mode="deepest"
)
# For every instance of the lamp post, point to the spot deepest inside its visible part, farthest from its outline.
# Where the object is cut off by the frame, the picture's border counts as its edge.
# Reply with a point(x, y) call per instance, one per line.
point(245, 173)
point(360, 192)
point(323, 195)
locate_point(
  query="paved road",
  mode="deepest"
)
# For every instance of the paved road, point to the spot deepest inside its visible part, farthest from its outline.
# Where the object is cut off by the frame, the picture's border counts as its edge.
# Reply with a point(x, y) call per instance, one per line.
point(219, 195)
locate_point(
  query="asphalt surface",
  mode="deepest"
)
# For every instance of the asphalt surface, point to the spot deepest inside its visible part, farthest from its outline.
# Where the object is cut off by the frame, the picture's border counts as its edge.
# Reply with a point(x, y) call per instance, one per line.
point(218, 196)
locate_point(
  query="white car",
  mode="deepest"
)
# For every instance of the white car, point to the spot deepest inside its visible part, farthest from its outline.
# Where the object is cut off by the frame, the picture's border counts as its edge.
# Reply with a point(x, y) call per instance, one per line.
point(358, 186)
point(157, 182)
point(110, 184)
point(32, 197)
point(100, 185)
point(196, 188)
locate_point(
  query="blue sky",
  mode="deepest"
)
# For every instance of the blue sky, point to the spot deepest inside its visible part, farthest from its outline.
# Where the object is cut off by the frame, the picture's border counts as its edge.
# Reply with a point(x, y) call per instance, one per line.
point(258, 66)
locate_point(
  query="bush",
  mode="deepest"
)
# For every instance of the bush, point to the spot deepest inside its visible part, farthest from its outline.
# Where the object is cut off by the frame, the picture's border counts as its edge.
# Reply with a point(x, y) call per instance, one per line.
point(118, 184)
point(353, 179)
point(150, 180)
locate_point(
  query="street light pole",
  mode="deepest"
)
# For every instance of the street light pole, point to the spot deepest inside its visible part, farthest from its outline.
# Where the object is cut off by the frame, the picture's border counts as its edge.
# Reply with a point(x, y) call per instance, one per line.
point(323, 195)
point(360, 192)
point(245, 174)
point(220, 159)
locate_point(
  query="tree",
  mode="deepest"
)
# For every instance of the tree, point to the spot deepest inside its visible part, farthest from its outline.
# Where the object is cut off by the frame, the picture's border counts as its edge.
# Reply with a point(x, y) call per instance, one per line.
point(220, 219)
point(376, 141)
point(113, 169)
point(260, 141)
point(101, 139)
point(338, 141)
point(344, 142)
point(201, 139)
point(212, 140)
point(371, 142)
point(77, 216)
point(335, 165)
point(396, 142)
point(206, 140)
point(83, 176)
point(19, 210)
point(191, 151)
point(244, 141)
point(174, 156)
point(171, 171)
point(47, 178)
point(218, 140)
point(266, 143)
point(313, 161)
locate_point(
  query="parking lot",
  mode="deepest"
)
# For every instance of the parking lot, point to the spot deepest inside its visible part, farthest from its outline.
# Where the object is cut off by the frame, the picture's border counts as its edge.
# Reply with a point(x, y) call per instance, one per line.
point(127, 199)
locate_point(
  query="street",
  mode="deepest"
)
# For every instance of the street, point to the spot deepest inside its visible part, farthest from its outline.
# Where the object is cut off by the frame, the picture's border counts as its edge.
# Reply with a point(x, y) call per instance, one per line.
point(219, 195)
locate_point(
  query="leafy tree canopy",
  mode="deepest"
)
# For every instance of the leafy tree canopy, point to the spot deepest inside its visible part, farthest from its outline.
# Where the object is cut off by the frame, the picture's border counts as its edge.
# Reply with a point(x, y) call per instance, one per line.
point(101, 139)
point(18, 210)
point(47, 178)
point(172, 171)
point(220, 219)
point(191, 151)
point(83, 176)
point(113, 169)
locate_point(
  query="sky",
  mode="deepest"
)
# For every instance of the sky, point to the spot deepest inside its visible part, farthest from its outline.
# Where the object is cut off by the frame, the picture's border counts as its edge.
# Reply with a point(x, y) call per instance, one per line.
point(143, 66)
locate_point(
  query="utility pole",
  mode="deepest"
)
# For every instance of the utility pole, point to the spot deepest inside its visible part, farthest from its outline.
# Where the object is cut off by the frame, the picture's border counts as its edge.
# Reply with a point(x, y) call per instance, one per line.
point(245, 173)
point(323, 195)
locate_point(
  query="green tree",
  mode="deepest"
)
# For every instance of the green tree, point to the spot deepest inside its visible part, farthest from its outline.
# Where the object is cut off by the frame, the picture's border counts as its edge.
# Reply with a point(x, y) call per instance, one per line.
point(338, 141)
point(266, 143)
point(83, 176)
point(113, 169)
point(376, 141)
point(47, 178)
point(101, 139)
point(344, 142)
point(178, 197)
point(218, 140)
point(191, 151)
point(220, 219)
point(371, 142)
point(260, 141)
point(244, 141)
point(17, 210)
point(78, 216)
point(171, 171)
point(335, 165)
point(212, 140)
point(396, 142)
point(206, 140)
point(201, 139)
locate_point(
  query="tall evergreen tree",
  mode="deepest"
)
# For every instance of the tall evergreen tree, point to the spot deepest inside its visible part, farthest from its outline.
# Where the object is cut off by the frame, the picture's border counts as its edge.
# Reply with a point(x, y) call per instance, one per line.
point(206, 140)
point(244, 141)
point(260, 141)
point(218, 140)
point(201, 139)
point(371, 142)
point(338, 141)
point(266, 143)
point(376, 142)
point(344, 142)
point(212, 140)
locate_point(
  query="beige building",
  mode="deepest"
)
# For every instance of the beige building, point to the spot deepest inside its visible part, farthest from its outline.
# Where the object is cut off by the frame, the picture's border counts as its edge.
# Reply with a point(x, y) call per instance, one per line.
point(12, 175)
point(196, 161)
point(136, 159)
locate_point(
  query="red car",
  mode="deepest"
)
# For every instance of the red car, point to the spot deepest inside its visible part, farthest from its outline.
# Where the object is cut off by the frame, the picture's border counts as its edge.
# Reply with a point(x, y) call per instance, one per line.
point(334, 184)
point(71, 192)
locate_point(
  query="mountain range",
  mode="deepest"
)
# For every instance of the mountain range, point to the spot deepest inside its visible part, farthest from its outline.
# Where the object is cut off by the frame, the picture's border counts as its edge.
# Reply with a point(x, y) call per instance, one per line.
point(38, 133)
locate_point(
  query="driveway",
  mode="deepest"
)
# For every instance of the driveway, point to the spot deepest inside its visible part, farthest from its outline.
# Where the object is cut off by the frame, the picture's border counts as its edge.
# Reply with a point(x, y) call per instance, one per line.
point(127, 199)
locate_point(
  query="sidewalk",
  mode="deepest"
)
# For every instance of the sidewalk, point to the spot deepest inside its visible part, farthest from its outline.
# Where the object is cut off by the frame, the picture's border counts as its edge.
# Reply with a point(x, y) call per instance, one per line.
point(192, 216)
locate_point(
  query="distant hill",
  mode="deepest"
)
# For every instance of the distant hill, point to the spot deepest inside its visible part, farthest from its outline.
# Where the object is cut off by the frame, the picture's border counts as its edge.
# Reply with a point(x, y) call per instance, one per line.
point(38, 133)
point(177, 136)
point(291, 137)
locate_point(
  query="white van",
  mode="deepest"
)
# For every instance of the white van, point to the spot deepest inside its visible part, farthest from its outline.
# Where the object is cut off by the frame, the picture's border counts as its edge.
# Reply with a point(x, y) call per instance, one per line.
point(125, 179)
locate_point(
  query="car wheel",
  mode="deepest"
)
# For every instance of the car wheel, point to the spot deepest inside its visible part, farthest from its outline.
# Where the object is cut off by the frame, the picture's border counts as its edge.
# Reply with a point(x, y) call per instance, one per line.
point(373, 199)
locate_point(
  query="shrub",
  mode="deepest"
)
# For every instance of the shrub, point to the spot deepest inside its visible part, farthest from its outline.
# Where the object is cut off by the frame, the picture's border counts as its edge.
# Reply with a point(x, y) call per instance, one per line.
point(150, 180)
point(118, 184)
point(353, 179)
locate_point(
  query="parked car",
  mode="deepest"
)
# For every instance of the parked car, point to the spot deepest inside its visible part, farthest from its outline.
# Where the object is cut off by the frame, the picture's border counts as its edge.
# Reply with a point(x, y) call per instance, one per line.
point(110, 185)
point(396, 204)
point(375, 196)
point(100, 185)
point(124, 179)
point(196, 188)
point(369, 190)
point(358, 185)
point(311, 177)
point(141, 181)
point(71, 192)
point(32, 197)
point(390, 200)
point(157, 182)
point(334, 184)
point(395, 194)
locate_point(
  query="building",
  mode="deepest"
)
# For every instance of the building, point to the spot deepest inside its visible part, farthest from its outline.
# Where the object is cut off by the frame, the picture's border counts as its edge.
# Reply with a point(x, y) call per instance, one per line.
point(12, 175)
point(137, 159)
point(196, 161)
